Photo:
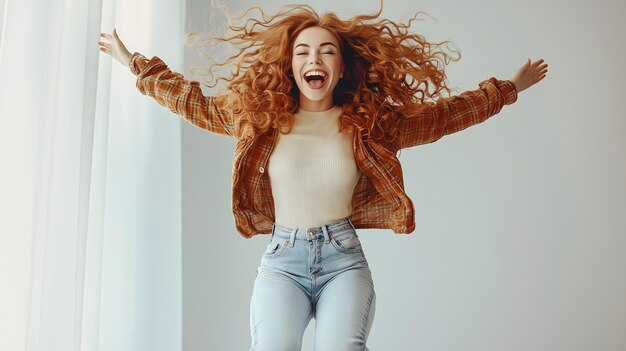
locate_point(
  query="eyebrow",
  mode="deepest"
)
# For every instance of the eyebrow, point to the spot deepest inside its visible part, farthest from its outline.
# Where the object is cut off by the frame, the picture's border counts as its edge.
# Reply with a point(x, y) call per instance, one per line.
point(322, 44)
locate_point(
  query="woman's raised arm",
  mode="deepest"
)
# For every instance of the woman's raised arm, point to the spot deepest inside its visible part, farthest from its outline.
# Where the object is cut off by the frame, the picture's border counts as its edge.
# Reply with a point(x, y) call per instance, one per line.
point(453, 114)
point(170, 89)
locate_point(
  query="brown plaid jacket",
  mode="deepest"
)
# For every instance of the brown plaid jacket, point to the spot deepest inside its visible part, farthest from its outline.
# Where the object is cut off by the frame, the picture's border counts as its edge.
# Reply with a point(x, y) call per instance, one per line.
point(379, 199)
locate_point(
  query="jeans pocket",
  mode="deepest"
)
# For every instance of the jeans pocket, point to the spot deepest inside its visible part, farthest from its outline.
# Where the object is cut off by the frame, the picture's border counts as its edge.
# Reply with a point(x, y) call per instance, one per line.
point(275, 248)
point(347, 242)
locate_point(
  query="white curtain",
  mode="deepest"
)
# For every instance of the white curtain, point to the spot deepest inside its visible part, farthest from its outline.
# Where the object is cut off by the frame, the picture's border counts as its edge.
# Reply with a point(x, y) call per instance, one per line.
point(89, 180)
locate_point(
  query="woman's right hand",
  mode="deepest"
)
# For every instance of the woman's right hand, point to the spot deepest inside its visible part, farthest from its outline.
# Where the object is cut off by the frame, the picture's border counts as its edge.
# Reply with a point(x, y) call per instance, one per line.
point(115, 47)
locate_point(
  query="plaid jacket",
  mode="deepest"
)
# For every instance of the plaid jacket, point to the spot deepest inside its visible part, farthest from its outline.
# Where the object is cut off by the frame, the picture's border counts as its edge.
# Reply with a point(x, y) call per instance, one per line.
point(379, 199)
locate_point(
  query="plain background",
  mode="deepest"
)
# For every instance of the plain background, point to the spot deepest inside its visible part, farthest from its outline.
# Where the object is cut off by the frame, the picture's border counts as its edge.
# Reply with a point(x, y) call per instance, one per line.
point(520, 239)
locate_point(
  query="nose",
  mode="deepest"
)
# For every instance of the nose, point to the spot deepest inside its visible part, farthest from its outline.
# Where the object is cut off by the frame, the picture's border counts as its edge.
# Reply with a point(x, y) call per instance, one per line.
point(315, 58)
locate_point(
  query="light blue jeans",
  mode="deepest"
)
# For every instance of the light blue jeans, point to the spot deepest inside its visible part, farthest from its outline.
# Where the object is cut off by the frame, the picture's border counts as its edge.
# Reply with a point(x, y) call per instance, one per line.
point(316, 273)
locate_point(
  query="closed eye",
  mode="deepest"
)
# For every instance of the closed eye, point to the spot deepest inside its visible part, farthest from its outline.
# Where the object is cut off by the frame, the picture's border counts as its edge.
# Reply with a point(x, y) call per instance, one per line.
point(304, 53)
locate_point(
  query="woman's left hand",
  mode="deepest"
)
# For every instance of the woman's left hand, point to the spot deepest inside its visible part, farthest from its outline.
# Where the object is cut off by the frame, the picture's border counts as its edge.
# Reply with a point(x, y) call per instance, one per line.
point(529, 74)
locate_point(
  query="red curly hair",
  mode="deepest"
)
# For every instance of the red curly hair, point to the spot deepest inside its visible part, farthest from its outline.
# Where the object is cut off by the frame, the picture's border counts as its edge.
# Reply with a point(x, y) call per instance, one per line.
point(389, 71)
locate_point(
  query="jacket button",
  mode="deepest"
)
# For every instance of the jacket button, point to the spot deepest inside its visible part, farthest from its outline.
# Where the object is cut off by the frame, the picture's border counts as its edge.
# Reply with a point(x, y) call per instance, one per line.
point(261, 169)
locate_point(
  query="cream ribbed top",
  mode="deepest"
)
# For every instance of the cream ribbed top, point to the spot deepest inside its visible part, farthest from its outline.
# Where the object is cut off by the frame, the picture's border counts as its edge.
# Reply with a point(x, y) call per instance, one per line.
point(312, 171)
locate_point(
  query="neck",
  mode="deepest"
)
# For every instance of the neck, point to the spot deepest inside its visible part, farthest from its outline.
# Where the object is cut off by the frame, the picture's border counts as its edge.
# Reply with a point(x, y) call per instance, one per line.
point(316, 106)
point(303, 113)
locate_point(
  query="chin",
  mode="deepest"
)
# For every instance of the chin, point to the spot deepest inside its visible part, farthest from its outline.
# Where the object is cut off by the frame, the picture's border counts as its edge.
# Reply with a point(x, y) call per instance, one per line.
point(315, 98)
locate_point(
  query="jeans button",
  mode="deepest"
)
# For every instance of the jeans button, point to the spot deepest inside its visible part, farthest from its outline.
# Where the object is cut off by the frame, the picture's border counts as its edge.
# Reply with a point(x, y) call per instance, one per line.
point(311, 232)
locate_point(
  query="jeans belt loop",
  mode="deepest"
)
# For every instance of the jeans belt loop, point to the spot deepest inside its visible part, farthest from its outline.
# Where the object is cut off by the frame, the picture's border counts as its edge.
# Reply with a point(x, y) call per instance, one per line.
point(292, 239)
point(352, 225)
point(326, 236)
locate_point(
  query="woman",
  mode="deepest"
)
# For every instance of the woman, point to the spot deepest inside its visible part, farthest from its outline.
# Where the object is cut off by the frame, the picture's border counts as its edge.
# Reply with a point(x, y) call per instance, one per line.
point(320, 107)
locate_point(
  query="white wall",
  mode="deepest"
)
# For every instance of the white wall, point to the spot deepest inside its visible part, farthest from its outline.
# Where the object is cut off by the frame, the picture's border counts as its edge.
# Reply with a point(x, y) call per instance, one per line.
point(520, 221)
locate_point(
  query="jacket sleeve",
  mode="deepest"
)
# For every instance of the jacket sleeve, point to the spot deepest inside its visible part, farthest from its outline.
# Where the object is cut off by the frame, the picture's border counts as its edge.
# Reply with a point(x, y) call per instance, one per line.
point(182, 96)
point(453, 114)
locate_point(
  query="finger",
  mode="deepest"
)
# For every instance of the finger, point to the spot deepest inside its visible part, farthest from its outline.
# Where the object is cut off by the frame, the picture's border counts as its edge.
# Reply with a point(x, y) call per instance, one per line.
point(115, 33)
point(537, 63)
point(105, 35)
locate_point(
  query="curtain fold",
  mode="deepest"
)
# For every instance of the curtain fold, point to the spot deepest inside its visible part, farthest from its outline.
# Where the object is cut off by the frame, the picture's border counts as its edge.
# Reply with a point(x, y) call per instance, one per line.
point(67, 253)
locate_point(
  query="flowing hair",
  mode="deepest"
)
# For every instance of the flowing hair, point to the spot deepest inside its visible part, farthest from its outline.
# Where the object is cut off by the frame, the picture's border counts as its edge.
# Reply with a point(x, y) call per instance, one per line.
point(388, 71)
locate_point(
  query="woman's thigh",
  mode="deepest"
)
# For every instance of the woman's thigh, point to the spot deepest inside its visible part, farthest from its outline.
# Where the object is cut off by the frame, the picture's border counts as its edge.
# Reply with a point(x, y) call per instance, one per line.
point(279, 313)
point(345, 312)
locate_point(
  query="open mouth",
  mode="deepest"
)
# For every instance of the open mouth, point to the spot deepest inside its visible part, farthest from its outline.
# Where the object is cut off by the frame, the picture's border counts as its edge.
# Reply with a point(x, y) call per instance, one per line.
point(315, 79)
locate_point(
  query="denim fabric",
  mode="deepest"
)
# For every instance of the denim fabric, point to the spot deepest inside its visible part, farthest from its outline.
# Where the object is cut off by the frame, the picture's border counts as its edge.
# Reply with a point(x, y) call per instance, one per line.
point(316, 273)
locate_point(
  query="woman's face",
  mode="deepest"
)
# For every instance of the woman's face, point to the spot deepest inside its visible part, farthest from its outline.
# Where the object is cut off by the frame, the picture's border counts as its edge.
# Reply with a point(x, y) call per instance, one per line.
point(317, 66)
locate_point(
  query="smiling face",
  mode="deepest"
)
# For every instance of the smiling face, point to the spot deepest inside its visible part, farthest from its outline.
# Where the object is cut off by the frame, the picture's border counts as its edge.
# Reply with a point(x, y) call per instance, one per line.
point(317, 66)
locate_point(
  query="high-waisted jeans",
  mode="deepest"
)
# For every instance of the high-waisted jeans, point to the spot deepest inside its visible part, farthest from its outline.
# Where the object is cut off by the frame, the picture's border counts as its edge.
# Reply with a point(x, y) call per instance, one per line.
point(316, 273)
